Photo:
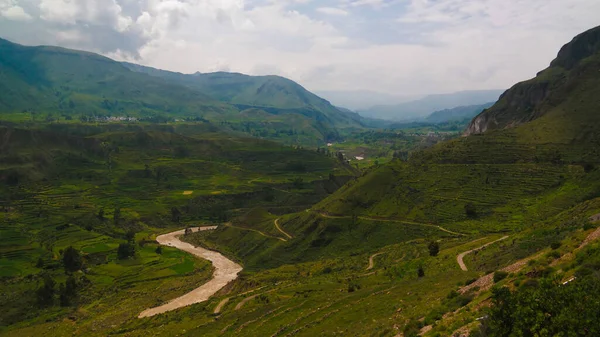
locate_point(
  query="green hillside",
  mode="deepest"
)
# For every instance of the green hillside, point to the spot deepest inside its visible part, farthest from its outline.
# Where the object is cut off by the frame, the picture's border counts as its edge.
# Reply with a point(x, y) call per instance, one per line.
point(51, 83)
point(51, 80)
point(268, 96)
point(491, 234)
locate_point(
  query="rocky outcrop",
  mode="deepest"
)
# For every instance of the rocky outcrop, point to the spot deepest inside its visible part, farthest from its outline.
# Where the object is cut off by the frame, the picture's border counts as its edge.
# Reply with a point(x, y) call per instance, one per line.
point(531, 99)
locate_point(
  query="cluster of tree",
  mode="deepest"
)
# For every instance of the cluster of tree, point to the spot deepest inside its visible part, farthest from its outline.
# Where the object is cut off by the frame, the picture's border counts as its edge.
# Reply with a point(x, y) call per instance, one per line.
point(545, 308)
point(127, 250)
point(67, 292)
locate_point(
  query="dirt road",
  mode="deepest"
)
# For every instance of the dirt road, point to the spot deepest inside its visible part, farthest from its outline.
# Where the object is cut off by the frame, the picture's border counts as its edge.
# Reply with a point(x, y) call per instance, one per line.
point(325, 215)
point(281, 230)
point(371, 261)
point(225, 272)
point(460, 257)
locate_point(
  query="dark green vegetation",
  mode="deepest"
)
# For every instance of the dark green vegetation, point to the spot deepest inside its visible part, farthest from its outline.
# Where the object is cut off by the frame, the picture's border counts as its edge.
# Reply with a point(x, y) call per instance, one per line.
point(376, 256)
point(50, 83)
point(81, 204)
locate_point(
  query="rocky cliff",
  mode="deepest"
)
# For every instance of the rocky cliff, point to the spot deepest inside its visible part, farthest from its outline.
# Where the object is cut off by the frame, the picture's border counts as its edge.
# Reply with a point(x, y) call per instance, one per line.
point(531, 99)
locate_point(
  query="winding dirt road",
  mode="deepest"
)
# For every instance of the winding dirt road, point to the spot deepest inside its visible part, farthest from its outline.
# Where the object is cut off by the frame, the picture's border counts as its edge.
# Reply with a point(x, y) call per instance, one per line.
point(371, 261)
point(225, 272)
point(281, 230)
point(461, 256)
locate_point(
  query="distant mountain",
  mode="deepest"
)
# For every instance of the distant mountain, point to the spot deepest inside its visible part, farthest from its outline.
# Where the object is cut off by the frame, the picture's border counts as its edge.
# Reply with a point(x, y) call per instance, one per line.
point(362, 99)
point(574, 72)
point(421, 108)
point(272, 94)
point(57, 81)
point(457, 114)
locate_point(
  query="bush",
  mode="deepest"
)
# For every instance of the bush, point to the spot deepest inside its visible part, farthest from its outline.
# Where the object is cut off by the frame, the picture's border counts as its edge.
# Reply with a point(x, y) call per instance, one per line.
point(72, 259)
point(471, 211)
point(554, 254)
point(470, 281)
point(555, 245)
point(420, 272)
point(126, 250)
point(434, 248)
point(499, 276)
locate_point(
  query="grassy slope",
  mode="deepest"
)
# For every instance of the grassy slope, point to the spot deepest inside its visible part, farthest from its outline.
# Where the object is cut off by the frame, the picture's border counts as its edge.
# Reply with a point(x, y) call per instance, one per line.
point(56, 80)
point(536, 183)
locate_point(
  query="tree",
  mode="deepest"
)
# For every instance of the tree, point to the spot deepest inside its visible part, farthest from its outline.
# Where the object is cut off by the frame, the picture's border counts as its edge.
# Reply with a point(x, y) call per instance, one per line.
point(158, 250)
point(549, 308)
point(298, 182)
point(72, 259)
point(101, 214)
point(117, 215)
point(40, 263)
point(130, 236)
point(126, 250)
point(434, 248)
point(175, 214)
point(420, 272)
point(68, 291)
point(471, 210)
point(45, 293)
point(187, 231)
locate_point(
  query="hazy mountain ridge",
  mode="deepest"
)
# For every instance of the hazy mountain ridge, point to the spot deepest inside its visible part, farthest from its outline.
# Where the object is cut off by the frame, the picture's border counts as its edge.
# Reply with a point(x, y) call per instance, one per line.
point(423, 107)
point(458, 113)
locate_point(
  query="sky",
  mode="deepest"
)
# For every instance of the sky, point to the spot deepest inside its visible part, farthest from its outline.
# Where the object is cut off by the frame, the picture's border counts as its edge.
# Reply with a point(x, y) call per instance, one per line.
point(400, 47)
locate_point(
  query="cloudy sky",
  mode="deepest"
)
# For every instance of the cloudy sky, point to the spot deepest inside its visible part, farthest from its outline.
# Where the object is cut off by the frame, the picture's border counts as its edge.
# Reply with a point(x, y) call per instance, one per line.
point(403, 47)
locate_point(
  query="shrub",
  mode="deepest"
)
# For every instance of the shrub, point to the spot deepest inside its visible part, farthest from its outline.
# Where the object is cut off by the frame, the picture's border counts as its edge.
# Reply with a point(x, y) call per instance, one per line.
point(434, 248)
point(421, 272)
point(555, 245)
point(126, 250)
point(471, 211)
point(499, 276)
point(470, 281)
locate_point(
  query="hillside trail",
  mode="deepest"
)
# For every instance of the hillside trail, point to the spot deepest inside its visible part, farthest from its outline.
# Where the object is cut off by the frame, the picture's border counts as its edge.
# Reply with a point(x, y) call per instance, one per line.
point(256, 231)
point(281, 230)
point(325, 215)
point(371, 261)
point(460, 257)
point(225, 272)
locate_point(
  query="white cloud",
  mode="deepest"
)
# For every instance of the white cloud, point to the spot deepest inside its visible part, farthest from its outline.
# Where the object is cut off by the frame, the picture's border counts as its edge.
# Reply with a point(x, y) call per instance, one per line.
point(15, 13)
point(332, 11)
point(395, 46)
point(106, 12)
point(11, 10)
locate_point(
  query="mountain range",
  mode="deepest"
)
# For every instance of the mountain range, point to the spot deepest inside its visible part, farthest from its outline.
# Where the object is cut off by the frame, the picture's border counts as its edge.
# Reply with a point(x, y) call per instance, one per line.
point(421, 108)
point(49, 80)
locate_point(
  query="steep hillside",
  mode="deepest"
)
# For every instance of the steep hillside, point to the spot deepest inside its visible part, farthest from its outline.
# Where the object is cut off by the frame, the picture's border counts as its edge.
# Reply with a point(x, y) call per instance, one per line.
point(421, 108)
point(573, 73)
